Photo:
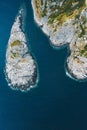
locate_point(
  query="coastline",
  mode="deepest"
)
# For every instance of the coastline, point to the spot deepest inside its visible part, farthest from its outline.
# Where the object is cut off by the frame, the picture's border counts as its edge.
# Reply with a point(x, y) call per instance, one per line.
point(17, 33)
point(54, 36)
point(70, 75)
point(62, 38)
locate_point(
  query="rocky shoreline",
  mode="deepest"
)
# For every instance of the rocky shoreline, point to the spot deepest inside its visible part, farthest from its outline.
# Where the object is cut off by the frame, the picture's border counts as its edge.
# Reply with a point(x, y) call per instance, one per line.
point(68, 27)
point(21, 68)
point(59, 34)
point(77, 60)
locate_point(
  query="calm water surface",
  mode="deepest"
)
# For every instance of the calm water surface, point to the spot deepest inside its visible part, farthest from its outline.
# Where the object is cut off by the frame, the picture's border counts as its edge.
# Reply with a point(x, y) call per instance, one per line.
point(58, 102)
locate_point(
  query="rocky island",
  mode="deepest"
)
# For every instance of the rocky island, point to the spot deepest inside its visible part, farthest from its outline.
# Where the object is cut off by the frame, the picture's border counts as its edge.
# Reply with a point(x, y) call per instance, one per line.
point(65, 22)
point(21, 67)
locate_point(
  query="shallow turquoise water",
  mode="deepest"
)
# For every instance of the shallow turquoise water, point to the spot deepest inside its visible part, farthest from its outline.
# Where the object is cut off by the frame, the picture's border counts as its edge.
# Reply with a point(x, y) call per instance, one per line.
point(58, 102)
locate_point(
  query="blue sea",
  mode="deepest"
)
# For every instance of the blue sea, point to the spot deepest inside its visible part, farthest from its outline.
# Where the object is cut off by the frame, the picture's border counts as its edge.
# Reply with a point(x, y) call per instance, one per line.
point(58, 102)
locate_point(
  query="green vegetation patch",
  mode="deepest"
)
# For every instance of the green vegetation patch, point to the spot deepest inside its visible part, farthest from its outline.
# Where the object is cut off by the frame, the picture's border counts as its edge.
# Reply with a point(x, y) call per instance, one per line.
point(14, 55)
point(84, 52)
point(16, 43)
point(67, 10)
point(82, 31)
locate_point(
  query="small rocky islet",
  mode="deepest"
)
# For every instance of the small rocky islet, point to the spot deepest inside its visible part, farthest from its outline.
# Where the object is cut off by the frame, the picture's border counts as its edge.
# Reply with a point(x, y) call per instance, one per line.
point(21, 68)
point(65, 22)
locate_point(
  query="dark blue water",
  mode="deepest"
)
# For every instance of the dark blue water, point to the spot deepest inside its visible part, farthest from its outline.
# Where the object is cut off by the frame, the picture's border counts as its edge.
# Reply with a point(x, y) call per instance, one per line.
point(58, 102)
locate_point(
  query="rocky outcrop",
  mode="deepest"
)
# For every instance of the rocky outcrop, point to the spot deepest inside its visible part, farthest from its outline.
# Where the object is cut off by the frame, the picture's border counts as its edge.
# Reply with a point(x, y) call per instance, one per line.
point(65, 22)
point(77, 61)
point(57, 18)
point(21, 68)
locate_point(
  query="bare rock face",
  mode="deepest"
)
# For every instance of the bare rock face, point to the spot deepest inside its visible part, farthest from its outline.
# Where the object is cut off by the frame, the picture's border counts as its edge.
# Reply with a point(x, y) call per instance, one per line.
point(57, 18)
point(77, 61)
point(21, 68)
point(65, 21)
